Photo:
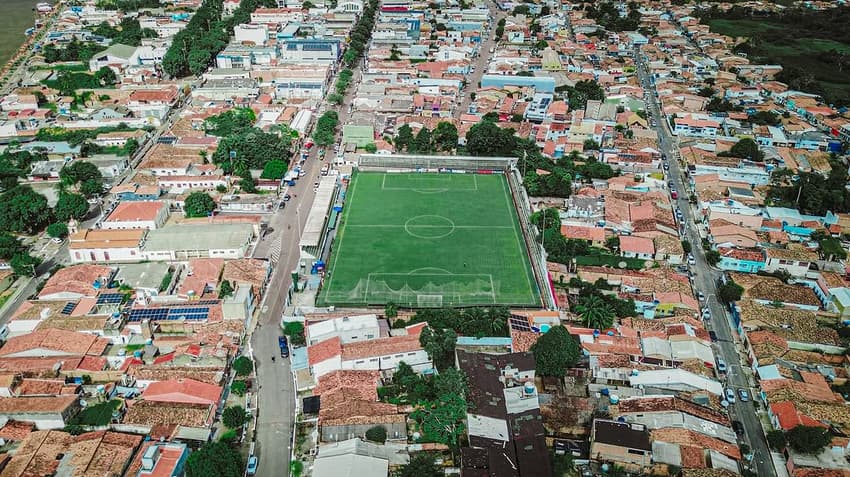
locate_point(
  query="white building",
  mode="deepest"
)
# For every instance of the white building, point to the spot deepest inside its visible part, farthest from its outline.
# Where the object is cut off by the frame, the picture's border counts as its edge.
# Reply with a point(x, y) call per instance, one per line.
point(137, 215)
point(383, 354)
point(250, 33)
point(348, 329)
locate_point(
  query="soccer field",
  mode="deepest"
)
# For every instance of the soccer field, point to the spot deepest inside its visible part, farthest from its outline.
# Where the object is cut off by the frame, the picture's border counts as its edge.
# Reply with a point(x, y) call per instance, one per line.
point(423, 240)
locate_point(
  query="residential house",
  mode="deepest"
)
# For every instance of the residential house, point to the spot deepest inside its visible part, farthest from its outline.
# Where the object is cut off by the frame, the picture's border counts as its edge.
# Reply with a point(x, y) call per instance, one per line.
point(594, 235)
point(741, 260)
point(75, 282)
point(621, 443)
point(637, 247)
point(117, 57)
point(198, 240)
point(347, 328)
point(54, 452)
point(46, 412)
point(795, 259)
point(350, 406)
point(53, 342)
point(504, 424)
point(104, 245)
point(137, 215)
point(159, 459)
point(183, 391)
point(382, 354)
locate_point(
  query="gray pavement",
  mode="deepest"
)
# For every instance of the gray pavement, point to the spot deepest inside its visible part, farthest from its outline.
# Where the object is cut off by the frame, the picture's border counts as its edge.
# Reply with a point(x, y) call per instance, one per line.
point(705, 280)
point(276, 395)
point(481, 61)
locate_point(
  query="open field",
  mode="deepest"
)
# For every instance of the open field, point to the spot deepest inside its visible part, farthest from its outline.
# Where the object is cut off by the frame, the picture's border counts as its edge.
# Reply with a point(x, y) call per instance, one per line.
point(814, 59)
point(422, 239)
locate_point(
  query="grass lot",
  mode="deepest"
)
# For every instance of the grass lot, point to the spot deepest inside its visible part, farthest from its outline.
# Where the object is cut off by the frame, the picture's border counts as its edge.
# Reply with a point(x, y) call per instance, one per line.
point(98, 414)
point(794, 51)
point(429, 240)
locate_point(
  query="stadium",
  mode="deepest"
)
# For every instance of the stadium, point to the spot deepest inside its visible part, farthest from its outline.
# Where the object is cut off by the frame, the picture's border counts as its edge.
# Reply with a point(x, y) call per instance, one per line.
point(430, 231)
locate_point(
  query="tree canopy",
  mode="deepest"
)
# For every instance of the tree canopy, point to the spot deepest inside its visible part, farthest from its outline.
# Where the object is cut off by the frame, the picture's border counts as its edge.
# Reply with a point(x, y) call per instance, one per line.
point(251, 148)
point(488, 139)
point(729, 292)
point(233, 121)
point(243, 366)
point(439, 343)
point(477, 322)
point(555, 351)
point(234, 417)
point(808, 439)
point(70, 205)
point(595, 312)
point(442, 420)
point(198, 204)
point(422, 464)
point(78, 172)
point(23, 210)
point(215, 459)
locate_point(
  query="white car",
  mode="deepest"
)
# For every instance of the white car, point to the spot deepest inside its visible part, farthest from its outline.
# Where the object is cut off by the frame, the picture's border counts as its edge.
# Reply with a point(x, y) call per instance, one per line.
point(700, 296)
point(730, 396)
point(691, 259)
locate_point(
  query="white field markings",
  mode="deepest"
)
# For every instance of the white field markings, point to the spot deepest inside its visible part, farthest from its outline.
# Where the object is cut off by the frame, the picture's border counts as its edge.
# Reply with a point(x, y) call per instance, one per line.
point(432, 190)
point(377, 276)
point(338, 252)
point(518, 237)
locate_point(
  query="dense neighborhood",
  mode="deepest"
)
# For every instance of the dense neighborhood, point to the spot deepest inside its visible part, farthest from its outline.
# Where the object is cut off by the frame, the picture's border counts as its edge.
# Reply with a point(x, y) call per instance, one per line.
point(588, 238)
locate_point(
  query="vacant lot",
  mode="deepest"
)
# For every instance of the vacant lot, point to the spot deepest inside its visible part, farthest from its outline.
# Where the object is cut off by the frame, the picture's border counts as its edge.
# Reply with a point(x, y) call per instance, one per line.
point(423, 240)
point(816, 57)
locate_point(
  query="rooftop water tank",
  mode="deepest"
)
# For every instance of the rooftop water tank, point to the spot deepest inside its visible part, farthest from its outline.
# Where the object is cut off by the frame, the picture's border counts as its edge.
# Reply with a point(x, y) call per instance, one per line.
point(544, 328)
point(614, 399)
point(529, 388)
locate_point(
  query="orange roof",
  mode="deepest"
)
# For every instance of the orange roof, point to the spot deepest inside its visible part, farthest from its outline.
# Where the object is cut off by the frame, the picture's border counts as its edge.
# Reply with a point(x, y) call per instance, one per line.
point(185, 391)
point(381, 347)
point(57, 341)
point(136, 211)
point(324, 350)
point(630, 243)
point(77, 279)
point(593, 234)
point(790, 417)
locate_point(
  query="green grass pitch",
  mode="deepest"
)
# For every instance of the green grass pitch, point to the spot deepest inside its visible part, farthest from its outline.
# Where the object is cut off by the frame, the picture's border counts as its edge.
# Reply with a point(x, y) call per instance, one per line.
point(423, 239)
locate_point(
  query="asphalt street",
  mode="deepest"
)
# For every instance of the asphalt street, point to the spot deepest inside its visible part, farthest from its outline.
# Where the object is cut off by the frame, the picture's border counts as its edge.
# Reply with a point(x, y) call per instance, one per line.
point(705, 281)
point(482, 61)
point(276, 395)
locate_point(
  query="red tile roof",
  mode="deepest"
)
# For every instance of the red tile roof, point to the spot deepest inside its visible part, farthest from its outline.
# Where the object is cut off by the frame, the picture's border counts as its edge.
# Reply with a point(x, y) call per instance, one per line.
point(324, 350)
point(380, 347)
point(790, 417)
point(76, 279)
point(57, 341)
point(185, 391)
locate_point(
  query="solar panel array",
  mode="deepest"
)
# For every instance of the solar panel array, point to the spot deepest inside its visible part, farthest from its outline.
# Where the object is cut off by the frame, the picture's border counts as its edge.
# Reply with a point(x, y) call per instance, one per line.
point(190, 313)
point(519, 323)
point(207, 302)
point(110, 299)
point(69, 307)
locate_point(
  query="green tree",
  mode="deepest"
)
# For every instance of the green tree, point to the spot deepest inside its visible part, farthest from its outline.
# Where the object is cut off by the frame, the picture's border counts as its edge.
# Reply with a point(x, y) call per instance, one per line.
point(371, 148)
point(23, 210)
point(377, 434)
point(547, 219)
point(79, 171)
point(198, 204)
point(488, 139)
point(450, 381)
point(105, 76)
point(422, 464)
point(555, 351)
point(390, 310)
point(404, 138)
point(91, 187)
point(808, 439)
point(746, 148)
point(445, 137)
point(251, 149)
point(10, 246)
point(57, 230)
point(712, 257)
point(336, 98)
point(225, 289)
point(729, 292)
point(230, 122)
point(294, 330)
point(243, 366)
point(274, 169)
point(776, 440)
point(686, 246)
point(442, 420)
point(239, 388)
point(215, 459)
point(24, 264)
point(234, 417)
point(595, 312)
point(440, 345)
point(422, 143)
point(69, 206)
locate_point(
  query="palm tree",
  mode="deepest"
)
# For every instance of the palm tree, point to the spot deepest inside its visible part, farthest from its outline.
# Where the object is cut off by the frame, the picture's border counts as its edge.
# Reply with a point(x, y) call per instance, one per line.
point(595, 312)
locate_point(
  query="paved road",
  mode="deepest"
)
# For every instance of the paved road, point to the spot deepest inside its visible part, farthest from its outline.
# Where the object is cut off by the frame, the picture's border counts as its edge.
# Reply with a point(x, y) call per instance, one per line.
point(481, 61)
point(705, 280)
point(276, 396)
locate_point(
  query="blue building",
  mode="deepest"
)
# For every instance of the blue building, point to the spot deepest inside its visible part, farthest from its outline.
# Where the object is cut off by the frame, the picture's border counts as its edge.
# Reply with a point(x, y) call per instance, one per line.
point(541, 84)
point(742, 260)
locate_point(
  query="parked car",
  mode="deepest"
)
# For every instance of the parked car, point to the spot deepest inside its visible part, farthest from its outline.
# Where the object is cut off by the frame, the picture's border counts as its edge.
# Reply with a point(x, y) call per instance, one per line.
point(744, 395)
point(738, 427)
point(700, 296)
point(691, 259)
point(721, 365)
point(730, 395)
point(712, 335)
point(252, 465)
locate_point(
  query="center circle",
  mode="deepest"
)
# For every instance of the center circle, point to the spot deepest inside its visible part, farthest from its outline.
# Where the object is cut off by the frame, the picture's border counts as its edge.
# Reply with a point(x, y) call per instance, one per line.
point(429, 226)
